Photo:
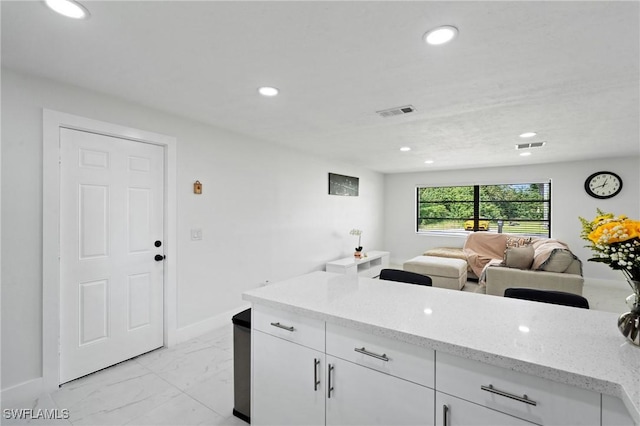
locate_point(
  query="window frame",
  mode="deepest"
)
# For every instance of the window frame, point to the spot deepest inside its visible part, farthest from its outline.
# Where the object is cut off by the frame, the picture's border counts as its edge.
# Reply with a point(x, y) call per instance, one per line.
point(476, 207)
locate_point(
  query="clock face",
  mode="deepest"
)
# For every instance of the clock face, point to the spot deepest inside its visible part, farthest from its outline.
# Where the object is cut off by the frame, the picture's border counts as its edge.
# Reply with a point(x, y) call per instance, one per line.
point(603, 185)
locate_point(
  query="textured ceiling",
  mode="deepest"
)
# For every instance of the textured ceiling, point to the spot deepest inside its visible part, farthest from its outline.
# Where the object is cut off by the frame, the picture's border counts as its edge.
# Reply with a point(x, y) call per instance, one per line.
point(567, 70)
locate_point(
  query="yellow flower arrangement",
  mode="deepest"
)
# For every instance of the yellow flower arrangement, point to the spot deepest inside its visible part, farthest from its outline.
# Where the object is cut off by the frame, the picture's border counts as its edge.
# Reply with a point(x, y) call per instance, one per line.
point(616, 242)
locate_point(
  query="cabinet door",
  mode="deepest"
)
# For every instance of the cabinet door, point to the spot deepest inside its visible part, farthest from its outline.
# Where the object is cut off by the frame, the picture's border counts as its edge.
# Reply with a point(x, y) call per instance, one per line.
point(451, 411)
point(287, 382)
point(614, 413)
point(362, 396)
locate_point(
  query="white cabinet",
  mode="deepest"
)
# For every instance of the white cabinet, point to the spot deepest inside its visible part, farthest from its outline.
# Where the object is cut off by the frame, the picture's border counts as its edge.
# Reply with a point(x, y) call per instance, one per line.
point(361, 396)
point(452, 411)
point(525, 396)
point(287, 383)
point(288, 368)
point(374, 380)
point(399, 359)
point(286, 325)
point(614, 413)
point(308, 372)
point(496, 367)
point(360, 379)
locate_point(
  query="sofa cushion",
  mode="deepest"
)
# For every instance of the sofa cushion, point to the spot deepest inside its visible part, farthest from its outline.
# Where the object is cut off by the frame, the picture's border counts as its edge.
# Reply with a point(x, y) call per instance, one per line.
point(519, 257)
point(450, 252)
point(559, 261)
point(518, 241)
point(545, 250)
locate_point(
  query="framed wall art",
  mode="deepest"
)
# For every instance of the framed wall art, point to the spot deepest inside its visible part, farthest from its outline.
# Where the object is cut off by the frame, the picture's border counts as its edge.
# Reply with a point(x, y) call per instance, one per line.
point(343, 185)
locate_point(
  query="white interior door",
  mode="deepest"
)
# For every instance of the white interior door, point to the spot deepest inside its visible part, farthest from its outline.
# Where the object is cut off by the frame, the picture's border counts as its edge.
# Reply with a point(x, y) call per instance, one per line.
point(111, 223)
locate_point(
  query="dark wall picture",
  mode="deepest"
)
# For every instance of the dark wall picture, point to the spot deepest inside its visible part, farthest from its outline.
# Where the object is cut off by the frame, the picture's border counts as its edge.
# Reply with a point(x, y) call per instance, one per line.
point(343, 185)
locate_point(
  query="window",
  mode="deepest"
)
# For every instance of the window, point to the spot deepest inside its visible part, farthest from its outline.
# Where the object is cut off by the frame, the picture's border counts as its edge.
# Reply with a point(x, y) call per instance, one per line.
point(508, 208)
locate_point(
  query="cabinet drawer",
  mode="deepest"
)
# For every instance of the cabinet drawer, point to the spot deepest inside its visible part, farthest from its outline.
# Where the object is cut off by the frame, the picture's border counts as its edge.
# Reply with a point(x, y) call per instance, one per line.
point(452, 411)
point(289, 326)
point(389, 356)
point(546, 402)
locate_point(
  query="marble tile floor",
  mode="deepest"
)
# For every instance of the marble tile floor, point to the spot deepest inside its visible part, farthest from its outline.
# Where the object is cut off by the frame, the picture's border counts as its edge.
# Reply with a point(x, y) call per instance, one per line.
point(188, 384)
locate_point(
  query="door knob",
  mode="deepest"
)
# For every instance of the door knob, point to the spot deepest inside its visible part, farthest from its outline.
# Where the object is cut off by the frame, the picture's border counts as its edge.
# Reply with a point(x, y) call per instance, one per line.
point(159, 258)
point(158, 243)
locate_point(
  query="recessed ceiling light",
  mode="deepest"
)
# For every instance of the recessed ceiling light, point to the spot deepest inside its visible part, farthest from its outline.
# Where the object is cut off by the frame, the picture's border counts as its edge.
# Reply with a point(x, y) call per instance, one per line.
point(441, 35)
point(268, 91)
point(525, 154)
point(405, 149)
point(528, 135)
point(68, 8)
point(428, 162)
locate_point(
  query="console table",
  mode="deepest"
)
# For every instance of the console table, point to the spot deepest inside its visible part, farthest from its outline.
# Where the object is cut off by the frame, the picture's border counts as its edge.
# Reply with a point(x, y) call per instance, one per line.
point(369, 266)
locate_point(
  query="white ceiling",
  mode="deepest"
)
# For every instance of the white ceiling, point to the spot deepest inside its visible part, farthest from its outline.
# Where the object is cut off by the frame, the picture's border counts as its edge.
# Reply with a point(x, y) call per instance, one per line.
point(567, 70)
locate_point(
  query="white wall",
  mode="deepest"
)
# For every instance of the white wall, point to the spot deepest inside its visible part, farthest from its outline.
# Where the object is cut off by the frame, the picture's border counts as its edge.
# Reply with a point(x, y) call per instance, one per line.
point(264, 212)
point(568, 201)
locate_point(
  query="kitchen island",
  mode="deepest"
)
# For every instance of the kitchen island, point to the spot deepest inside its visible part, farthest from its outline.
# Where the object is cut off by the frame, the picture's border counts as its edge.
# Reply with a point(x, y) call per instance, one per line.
point(458, 355)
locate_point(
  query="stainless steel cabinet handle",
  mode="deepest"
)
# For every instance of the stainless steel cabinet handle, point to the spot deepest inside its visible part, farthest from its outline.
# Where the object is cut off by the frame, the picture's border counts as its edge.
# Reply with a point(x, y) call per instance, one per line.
point(316, 382)
point(363, 351)
point(284, 327)
point(523, 398)
point(445, 415)
point(329, 387)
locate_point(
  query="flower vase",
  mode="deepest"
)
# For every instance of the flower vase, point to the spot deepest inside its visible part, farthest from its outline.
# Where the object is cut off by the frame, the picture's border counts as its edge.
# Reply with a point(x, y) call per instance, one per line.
point(358, 254)
point(629, 322)
point(631, 300)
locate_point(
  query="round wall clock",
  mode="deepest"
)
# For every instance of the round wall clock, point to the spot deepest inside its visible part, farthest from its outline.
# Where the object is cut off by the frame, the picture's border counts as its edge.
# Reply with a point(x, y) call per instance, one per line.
point(603, 185)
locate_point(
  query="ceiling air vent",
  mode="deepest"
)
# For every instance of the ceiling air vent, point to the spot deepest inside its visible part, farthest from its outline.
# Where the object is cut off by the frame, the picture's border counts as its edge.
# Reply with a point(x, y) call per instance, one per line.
point(530, 145)
point(396, 111)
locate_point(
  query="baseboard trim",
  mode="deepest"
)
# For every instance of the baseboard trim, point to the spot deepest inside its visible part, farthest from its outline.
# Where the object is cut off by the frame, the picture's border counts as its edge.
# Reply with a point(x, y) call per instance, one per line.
point(202, 327)
point(23, 393)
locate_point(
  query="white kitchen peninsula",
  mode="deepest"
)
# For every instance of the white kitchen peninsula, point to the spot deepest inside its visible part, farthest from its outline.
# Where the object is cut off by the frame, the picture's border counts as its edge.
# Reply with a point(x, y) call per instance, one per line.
point(433, 356)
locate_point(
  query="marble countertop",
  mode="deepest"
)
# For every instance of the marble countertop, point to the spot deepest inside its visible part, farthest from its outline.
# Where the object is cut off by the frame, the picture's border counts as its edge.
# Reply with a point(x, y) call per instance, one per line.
point(575, 346)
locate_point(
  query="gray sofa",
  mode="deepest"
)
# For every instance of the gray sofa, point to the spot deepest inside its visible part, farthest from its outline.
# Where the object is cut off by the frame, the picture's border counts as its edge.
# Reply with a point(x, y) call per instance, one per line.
point(552, 267)
point(497, 279)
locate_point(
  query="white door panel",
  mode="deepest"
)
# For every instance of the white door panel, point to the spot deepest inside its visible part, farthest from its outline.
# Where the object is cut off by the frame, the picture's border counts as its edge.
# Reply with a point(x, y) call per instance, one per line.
point(111, 214)
point(139, 302)
point(94, 311)
point(139, 210)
